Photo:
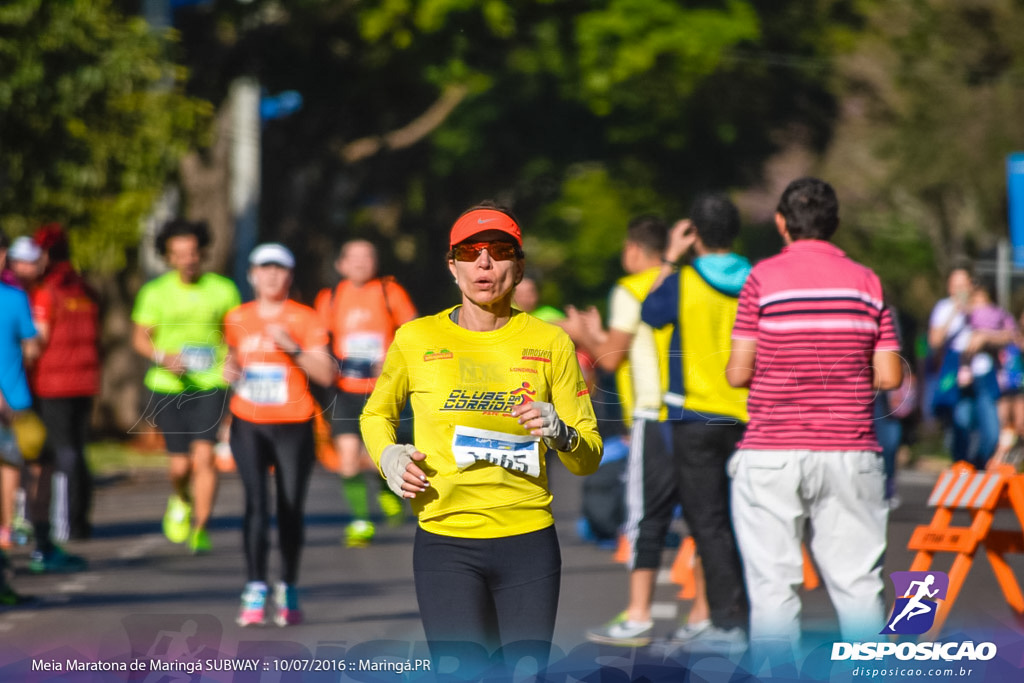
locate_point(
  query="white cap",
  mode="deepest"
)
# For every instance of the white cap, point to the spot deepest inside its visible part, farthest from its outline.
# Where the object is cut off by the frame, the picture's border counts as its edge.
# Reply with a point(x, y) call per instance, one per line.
point(24, 249)
point(272, 252)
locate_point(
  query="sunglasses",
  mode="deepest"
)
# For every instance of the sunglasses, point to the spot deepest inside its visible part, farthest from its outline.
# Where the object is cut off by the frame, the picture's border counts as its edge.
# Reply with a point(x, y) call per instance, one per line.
point(499, 251)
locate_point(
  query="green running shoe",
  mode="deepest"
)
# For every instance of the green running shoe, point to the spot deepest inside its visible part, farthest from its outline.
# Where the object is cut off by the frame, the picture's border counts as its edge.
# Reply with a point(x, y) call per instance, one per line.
point(199, 542)
point(177, 520)
point(8, 598)
point(391, 505)
point(56, 561)
point(359, 534)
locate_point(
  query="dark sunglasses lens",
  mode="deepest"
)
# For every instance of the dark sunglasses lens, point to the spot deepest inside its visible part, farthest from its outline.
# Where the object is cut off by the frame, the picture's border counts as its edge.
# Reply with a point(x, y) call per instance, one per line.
point(501, 251)
point(466, 252)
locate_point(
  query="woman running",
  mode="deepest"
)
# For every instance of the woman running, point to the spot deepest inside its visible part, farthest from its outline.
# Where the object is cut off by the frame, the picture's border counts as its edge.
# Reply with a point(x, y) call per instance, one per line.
point(276, 346)
point(492, 390)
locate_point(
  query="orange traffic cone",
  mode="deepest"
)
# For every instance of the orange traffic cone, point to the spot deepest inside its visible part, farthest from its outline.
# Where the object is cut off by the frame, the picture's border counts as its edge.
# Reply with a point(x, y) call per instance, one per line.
point(623, 550)
point(682, 569)
point(811, 579)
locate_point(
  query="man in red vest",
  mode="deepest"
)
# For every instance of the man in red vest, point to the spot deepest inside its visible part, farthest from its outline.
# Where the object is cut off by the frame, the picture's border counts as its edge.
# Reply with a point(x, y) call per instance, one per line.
point(361, 314)
point(67, 375)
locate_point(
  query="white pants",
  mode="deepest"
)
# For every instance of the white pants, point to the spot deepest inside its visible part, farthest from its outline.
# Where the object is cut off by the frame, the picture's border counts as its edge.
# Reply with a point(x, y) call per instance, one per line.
point(842, 493)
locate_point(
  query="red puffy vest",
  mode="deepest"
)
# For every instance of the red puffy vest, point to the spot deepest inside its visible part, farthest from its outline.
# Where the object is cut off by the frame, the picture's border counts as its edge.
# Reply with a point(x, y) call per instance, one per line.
point(70, 362)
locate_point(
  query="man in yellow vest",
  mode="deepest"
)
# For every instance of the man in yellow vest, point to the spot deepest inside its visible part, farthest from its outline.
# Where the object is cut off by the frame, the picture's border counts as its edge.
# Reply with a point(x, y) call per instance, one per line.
point(708, 416)
point(638, 357)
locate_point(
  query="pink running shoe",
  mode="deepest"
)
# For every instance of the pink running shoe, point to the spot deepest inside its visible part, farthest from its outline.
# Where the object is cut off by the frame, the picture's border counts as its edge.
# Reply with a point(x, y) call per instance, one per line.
point(254, 604)
point(286, 598)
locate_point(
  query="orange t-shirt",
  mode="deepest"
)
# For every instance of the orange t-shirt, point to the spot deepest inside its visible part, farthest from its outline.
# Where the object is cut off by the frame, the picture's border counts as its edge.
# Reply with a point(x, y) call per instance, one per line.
point(272, 388)
point(363, 321)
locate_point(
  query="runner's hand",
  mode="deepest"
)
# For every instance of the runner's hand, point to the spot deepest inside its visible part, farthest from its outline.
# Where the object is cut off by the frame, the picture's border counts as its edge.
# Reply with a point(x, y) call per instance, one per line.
point(403, 475)
point(542, 420)
point(172, 362)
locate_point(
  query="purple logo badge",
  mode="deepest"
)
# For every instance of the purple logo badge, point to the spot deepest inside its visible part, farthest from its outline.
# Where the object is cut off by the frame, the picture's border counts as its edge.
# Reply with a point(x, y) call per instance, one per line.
point(917, 596)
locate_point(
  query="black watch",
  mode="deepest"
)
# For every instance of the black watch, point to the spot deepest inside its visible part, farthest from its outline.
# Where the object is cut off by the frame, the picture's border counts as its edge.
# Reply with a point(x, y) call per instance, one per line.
point(574, 440)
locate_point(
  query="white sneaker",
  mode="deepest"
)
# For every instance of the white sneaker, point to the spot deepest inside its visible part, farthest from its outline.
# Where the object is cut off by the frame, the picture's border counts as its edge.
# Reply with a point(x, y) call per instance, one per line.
point(688, 632)
point(620, 631)
point(732, 641)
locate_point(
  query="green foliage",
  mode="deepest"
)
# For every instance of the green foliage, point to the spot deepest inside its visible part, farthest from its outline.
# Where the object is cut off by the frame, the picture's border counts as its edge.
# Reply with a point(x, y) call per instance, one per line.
point(93, 121)
point(578, 115)
point(577, 240)
point(629, 41)
point(933, 92)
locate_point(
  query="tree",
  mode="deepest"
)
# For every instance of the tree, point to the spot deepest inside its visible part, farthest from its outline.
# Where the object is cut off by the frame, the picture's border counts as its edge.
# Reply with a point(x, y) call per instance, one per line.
point(93, 121)
point(931, 96)
point(415, 110)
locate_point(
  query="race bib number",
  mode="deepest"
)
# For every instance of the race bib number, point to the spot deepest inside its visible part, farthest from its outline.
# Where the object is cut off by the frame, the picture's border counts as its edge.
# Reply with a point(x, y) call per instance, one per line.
point(365, 346)
point(264, 383)
point(198, 358)
point(518, 453)
point(364, 353)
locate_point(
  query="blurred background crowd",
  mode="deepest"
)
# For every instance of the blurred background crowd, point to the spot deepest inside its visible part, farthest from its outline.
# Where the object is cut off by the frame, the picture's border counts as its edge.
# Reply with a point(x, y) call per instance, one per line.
point(312, 122)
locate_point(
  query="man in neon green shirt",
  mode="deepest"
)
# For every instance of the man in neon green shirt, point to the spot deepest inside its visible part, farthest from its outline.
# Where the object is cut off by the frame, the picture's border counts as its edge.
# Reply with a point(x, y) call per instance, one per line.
point(179, 327)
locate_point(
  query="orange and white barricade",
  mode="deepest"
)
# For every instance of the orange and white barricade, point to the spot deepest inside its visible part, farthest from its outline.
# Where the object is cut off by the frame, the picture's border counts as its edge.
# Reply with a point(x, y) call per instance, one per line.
point(979, 494)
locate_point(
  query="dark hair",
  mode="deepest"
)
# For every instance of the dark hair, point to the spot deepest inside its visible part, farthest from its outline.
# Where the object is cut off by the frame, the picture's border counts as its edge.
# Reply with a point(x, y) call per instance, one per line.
point(648, 231)
point(53, 240)
point(180, 227)
point(986, 286)
point(5, 241)
point(493, 206)
point(716, 220)
point(811, 209)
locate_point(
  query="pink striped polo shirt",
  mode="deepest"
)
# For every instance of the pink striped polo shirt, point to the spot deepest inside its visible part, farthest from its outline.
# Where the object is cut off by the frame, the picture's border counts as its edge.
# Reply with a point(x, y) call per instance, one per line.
point(817, 317)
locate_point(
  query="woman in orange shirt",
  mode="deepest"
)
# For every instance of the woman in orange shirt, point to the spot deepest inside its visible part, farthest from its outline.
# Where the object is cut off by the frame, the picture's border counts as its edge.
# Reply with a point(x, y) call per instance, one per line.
point(276, 346)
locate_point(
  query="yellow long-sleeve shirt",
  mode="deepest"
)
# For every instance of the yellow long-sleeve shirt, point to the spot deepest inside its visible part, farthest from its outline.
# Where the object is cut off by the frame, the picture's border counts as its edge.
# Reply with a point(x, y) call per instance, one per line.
point(488, 476)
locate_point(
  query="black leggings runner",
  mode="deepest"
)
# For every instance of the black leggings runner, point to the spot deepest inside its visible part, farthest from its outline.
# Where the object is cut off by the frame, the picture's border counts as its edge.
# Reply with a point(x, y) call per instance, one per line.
point(289, 447)
point(492, 591)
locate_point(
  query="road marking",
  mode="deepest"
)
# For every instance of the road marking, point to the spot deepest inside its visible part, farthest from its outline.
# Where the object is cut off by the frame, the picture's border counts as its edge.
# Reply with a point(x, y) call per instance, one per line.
point(664, 610)
point(141, 547)
point(78, 584)
point(21, 616)
point(72, 587)
point(917, 477)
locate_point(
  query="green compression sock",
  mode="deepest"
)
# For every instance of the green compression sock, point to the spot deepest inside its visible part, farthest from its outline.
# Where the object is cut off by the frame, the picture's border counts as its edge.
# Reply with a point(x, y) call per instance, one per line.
point(354, 490)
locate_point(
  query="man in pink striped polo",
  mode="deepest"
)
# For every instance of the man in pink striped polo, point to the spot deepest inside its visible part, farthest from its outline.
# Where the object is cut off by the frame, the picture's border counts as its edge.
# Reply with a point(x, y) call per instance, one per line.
point(814, 341)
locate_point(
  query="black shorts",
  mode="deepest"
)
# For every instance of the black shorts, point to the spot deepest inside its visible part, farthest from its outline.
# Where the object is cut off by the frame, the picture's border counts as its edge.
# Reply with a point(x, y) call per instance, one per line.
point(345, 407)
point(188, 416)
point(344, 411)
point(651, 494)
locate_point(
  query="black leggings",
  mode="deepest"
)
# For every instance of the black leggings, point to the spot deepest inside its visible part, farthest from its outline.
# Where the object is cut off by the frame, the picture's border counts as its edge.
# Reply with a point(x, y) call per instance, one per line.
point(491, 591)
point(289, 447)
point(67, 431)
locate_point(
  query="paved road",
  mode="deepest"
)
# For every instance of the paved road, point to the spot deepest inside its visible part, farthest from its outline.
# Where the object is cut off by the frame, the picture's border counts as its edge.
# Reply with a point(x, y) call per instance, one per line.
point(143, 596)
